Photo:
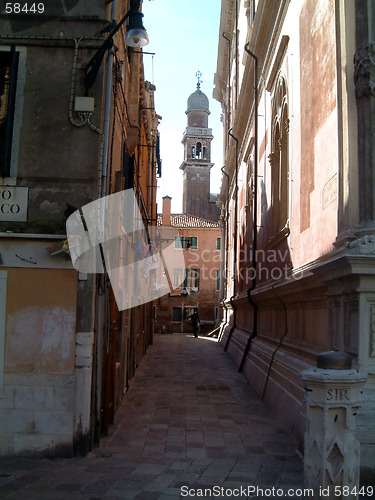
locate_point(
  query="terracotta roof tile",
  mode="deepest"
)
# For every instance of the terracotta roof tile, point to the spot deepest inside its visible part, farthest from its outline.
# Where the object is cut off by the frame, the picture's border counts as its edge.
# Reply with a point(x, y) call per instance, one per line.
point(186, 221)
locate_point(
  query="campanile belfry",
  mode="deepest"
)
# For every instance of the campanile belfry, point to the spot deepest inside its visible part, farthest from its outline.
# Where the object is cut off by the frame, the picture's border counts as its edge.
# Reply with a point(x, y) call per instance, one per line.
point(197, 158)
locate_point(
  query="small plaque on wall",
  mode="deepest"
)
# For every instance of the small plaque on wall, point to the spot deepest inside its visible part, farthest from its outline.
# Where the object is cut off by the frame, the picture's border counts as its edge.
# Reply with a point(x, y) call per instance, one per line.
point(329, 192)
point(13, 203)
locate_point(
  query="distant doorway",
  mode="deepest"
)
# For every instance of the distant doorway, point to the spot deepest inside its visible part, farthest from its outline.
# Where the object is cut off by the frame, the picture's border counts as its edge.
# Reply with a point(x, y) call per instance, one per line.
point(181, 315)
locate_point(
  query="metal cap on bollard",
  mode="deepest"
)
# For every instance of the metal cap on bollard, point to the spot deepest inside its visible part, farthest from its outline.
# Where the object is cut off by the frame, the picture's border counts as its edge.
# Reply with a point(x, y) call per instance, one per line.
point(334, 360)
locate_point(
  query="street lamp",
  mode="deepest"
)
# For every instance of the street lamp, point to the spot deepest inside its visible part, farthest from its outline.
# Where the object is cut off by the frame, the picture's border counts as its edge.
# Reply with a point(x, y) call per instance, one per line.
point(136, 36)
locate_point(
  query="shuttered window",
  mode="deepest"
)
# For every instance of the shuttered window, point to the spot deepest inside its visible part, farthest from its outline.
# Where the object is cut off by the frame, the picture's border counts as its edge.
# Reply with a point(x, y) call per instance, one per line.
point(8, 84)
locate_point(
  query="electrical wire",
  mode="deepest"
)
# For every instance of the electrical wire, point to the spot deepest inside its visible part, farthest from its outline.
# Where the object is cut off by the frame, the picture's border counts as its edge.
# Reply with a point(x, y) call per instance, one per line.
point(85, 116)
point(72, 85)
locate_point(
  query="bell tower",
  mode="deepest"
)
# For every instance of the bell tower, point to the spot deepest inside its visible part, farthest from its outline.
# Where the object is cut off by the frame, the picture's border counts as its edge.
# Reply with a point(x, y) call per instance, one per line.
point(197, 158)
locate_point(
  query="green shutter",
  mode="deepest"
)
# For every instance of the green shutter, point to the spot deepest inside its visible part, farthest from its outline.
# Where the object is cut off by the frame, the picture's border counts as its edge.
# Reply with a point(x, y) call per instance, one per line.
point(197, 277)
point(176, 314)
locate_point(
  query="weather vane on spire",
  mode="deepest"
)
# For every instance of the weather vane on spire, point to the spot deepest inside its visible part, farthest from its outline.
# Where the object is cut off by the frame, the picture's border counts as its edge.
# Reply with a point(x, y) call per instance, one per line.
point(198, 74)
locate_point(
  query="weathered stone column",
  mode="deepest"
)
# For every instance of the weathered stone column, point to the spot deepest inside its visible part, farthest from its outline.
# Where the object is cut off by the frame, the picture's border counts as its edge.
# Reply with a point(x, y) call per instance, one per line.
point(332, 453)
point(364, 79)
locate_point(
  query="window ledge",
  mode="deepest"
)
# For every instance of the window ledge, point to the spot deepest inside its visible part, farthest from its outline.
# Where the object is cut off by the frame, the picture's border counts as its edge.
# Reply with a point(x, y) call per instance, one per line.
point(281, 235)
point(8, 181)
point(35, 236)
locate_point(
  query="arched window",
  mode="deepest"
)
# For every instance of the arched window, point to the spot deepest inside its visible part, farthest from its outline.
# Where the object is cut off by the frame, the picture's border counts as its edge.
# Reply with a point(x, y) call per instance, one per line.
point(199, 151)
point(193, 151)
point(204, 152)
point(279, 158)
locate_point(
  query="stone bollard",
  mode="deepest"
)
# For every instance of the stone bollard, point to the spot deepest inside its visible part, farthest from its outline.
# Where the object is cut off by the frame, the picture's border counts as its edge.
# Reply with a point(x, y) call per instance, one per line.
point(332, 453)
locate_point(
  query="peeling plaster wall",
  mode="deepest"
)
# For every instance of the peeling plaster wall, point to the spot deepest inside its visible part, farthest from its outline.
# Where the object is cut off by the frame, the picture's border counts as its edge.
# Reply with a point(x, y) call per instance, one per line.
point(48, 344)
point(40, 321)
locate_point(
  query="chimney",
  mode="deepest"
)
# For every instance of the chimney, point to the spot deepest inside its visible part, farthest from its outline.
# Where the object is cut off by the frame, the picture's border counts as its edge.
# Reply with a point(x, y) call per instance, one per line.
point(166, 214)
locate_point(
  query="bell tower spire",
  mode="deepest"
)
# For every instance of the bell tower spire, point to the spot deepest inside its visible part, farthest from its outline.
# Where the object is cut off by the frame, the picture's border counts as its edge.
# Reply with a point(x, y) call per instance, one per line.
point(197, 157)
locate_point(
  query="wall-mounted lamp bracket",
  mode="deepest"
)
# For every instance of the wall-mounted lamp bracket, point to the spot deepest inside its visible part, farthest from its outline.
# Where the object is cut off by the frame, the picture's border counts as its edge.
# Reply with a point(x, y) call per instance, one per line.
point(95, 62)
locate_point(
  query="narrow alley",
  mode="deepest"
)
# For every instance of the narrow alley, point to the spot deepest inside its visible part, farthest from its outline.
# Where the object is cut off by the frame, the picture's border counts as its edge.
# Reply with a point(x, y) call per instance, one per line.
point(189, 422)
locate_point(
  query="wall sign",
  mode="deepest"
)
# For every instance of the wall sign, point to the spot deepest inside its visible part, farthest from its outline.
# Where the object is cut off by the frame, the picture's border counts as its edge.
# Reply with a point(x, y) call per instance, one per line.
point(13, 203)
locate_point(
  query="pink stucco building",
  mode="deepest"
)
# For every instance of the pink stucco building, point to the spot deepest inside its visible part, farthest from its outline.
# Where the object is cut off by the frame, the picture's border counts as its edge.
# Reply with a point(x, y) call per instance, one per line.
point(196, 284)
point(294, 80)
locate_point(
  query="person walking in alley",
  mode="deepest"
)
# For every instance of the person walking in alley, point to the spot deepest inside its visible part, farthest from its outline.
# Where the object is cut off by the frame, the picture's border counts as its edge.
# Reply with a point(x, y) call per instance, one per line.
point(196, 322)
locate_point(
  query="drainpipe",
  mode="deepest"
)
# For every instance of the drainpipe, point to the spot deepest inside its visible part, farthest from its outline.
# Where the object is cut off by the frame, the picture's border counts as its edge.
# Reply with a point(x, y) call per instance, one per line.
point(107, 110)
point(227, 176)
point(226, 231)
point(280, 341)
point(236, 72)
point(255, 215)
point(234, 248)
point(229, 63)
point(225, 274)
point(103, 289)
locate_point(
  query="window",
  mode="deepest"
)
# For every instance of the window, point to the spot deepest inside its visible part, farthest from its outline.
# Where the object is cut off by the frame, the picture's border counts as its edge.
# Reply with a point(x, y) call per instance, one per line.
point(176, 314)
point(250, 10)
point(192, 278)
point(198, 151)
point(128, 165)
point(8, 83)
point(217, 279)
point(186, 242)
point(178, 277)
point(279, 158)
point(188, 311)
point(218, 243)
point(158, 159)
point(191, 242)
point(193, 151)
point(178, 242)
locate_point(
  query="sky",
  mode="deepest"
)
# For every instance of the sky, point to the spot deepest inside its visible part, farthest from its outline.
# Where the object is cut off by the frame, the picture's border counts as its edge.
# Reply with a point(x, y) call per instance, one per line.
point(184, 36)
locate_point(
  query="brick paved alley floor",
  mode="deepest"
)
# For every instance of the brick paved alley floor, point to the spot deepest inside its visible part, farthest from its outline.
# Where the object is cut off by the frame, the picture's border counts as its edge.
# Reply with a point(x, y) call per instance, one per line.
point(190, 420)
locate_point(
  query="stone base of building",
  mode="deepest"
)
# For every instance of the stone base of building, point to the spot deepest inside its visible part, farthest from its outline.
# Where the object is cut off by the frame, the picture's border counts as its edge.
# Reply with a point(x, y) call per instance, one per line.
point(37, 415)
point(331, 306)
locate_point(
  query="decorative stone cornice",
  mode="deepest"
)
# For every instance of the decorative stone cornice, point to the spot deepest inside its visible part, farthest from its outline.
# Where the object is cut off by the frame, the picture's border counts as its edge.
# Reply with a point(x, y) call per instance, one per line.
point(364, 245)
point(287, 126)
point(364, 71)
point(227, 23)
point(273, 159)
